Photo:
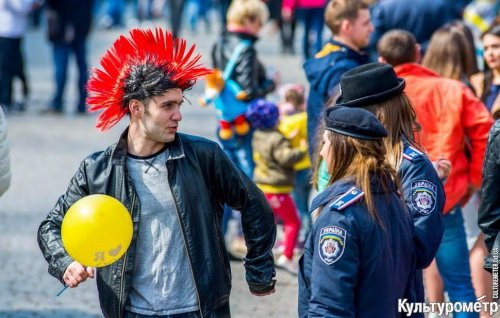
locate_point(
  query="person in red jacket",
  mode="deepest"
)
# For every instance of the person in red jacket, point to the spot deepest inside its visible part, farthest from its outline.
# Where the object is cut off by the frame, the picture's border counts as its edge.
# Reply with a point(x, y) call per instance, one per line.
point(452, 119)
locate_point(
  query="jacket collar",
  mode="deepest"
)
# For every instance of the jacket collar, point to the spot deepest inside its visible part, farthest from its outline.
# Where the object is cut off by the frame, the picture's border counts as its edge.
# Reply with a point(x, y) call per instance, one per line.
point(342, 186)
point(414, 69)
point(242, 35)
point(332, 46)
point(175, 149)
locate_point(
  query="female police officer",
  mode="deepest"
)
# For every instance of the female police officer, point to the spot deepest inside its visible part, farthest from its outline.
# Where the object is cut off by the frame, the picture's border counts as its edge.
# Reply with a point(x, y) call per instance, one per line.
point(359, 258)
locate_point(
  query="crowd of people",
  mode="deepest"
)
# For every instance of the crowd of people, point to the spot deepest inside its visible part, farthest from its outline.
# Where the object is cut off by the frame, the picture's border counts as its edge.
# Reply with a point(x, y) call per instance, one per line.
point(380, 172)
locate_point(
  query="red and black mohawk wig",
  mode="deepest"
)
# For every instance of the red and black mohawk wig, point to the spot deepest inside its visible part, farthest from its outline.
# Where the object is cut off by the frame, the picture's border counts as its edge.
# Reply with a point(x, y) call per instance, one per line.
point(140, 66)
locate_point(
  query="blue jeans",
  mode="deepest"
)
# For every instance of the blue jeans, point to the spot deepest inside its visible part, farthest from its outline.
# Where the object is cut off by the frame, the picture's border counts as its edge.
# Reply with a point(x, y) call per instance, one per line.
point(313, 20)
point(61, 51)
point(452, 259)
point(300, 195)
point(239, 150)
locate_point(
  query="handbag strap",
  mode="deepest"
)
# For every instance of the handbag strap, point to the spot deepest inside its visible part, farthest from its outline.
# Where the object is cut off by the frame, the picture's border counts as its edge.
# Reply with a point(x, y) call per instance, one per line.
point(234, 57)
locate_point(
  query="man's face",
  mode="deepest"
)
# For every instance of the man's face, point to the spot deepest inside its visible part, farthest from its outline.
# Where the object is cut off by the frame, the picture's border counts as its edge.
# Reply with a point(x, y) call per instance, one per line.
point(361, 29)
point(162, 115)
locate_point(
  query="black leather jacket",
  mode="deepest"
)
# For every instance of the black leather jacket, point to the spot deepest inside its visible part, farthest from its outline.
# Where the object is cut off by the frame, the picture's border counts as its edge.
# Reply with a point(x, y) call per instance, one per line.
point(249, 73)
point(201, 180)
point(489, 210)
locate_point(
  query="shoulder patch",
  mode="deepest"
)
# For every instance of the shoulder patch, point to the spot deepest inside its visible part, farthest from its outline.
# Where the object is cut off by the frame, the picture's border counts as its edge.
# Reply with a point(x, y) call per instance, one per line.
point(423, 196)
point(352, 195)
point(410, 153)
point(327, 49)
point(332, 241)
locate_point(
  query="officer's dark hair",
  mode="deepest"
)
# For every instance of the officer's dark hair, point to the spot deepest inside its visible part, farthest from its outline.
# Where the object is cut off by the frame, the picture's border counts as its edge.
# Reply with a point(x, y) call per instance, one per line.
point(339, 10)
point(361, 160)
point(146, 81)
point(397, 47)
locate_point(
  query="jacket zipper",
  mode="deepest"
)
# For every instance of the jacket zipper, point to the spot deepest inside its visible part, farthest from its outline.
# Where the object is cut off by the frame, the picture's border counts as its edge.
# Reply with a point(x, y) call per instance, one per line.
point(185, 244)
point(122, 285)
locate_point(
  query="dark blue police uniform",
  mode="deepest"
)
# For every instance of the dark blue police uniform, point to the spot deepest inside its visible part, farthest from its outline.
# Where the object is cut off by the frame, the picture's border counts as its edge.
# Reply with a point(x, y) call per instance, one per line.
point(353, 266)
point(425, 198)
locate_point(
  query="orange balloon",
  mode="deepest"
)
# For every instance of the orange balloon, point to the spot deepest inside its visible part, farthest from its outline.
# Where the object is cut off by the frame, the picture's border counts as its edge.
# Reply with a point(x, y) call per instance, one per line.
point(97, 230)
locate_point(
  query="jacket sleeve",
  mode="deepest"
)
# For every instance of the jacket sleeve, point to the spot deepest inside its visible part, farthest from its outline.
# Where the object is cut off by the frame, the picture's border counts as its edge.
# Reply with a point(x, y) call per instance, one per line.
point(489, 210)
point(477, 122)
point(285, 154)
point(333, 285)
point(5, 174)
point(257, 219)
point(417, 177)
point(49, 232)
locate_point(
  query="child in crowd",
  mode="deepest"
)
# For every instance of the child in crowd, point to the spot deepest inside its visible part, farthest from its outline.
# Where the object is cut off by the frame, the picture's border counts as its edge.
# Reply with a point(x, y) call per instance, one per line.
point(293, 125)
point(274, 173)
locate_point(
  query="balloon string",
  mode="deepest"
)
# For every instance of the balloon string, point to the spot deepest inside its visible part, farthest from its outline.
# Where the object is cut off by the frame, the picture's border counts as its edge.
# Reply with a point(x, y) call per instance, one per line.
point(62, 290)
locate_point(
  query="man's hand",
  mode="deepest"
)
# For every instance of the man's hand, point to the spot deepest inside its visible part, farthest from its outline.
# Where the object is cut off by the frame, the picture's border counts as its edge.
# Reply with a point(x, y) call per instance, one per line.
point(264, 294)
point(264, 290)
point(76, 274)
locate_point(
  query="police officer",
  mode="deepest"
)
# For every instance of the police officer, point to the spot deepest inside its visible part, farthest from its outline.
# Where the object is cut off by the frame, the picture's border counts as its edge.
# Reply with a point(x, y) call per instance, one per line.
point(359, 258)
point(423, 191)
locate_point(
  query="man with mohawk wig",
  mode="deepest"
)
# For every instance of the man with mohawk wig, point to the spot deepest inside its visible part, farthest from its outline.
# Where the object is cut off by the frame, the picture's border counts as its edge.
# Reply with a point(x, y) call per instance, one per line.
point(174, 185)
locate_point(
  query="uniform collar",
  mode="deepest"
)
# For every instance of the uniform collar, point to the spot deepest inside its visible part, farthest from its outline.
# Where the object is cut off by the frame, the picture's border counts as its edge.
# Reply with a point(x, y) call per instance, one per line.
point(341, 187)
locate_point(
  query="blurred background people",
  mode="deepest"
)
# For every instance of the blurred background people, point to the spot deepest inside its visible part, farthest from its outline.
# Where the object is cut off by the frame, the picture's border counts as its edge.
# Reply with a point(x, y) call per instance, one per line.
point(13, 22)
point(68, 26)
point(451, 54)
point(245, 19)
point(274, 173)
point(458, 117)
point(487, 83)
point(350, 24)
point(311, 15)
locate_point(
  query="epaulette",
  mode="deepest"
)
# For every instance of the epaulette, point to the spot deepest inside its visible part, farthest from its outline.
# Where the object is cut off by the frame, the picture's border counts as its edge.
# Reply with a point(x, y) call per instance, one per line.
point(352, 195)
point(327, 49)
point(410, 153)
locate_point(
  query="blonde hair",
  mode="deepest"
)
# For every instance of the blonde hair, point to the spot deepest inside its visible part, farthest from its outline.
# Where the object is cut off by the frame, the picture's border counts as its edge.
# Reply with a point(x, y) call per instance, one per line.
point(339, 10)
point(241, 10)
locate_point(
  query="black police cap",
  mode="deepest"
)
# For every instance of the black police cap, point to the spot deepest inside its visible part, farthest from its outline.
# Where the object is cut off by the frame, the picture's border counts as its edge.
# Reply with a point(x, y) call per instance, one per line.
point(354, 122)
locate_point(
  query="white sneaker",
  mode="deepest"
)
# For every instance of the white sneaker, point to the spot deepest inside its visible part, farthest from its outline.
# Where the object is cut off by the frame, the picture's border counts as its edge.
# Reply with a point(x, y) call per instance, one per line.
point(289, 265)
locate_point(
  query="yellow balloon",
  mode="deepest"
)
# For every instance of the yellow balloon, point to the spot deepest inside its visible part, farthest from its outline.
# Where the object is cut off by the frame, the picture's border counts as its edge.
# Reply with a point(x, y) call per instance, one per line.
point(97, 230)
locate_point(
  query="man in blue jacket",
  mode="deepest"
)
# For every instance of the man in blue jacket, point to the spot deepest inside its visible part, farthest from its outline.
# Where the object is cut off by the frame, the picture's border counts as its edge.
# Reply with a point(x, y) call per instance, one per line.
point(350, 23)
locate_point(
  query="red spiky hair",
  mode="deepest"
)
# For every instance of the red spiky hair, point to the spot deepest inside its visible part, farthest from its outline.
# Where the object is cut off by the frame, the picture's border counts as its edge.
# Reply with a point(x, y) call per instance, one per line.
point(106, 86)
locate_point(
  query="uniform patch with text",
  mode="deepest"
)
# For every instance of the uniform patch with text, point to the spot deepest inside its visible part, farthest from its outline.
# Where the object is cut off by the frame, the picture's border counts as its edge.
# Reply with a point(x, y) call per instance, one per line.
point(331, 244)
point(423, 196)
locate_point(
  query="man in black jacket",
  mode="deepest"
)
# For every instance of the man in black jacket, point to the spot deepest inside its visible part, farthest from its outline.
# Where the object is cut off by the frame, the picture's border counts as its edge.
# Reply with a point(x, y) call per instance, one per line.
point(489, 210)
point(174, 186)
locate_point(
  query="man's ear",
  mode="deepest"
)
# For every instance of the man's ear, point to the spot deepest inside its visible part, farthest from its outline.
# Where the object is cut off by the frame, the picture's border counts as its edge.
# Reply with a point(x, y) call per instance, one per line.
point(418, 54)
point(382, 60)
point(135, 106)
point(345, 26)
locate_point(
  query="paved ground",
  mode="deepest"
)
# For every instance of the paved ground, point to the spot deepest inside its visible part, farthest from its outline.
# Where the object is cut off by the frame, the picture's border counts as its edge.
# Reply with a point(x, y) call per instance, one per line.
point(46, 150)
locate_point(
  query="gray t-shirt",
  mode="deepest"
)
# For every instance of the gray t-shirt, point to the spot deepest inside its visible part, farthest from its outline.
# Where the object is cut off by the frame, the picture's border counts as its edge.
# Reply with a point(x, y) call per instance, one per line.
point(163, 282)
